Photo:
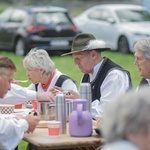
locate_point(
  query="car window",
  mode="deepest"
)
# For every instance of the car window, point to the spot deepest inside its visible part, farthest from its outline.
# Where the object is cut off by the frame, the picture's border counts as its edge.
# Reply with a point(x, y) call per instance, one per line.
point(103, 15)
point(133, 15)
point(17, 16)
point(52, 18)
point(4, 16)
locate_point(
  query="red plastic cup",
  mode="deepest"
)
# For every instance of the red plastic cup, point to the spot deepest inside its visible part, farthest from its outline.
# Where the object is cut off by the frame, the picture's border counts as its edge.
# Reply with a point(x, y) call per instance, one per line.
point(54, 128)
point(34, 104)
point(18, 106)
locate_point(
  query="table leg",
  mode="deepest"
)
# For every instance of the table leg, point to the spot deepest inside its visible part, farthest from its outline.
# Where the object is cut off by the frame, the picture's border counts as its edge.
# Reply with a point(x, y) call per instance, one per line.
point(30, 147)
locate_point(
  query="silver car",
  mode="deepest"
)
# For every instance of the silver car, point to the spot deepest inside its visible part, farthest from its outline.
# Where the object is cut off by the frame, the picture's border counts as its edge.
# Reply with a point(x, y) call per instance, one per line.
point(121, 25)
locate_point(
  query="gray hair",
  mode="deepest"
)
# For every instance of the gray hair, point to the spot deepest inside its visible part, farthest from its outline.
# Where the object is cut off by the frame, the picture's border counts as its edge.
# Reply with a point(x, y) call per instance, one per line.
point(127, 114)
point(39, 59)
point(144, 46)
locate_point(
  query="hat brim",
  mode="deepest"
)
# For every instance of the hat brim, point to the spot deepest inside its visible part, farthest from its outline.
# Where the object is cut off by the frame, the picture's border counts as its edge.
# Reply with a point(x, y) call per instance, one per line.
point(78, 51)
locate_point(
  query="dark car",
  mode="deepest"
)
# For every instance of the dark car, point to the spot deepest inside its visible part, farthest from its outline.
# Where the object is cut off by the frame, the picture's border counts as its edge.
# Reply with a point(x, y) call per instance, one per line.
point(26, 27)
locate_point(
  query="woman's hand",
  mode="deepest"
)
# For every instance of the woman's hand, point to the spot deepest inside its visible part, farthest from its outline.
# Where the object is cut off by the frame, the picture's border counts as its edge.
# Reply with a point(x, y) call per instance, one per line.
point(68, 94)
point(46, 96)
point(55, 89)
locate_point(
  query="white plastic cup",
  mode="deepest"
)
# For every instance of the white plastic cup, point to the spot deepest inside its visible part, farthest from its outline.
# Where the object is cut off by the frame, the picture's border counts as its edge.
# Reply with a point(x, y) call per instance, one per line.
point(54, 128)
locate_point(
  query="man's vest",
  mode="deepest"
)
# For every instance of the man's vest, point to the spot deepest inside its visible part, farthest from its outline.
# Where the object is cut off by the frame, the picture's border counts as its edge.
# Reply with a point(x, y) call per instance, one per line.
point(143, 82)
point(105, 68)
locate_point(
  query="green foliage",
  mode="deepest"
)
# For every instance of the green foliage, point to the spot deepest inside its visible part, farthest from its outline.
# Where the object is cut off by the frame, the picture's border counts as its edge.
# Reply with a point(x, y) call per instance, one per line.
point(4, 6)
point(22, 145)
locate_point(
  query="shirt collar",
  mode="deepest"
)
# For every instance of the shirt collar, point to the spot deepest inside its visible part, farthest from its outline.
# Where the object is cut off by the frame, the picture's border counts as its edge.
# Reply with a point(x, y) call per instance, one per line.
point(148, 80)
point(96, 68)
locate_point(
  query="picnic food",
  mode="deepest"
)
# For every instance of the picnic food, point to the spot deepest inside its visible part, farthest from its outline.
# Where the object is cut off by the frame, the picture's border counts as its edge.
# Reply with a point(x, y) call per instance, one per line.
point(33, 113)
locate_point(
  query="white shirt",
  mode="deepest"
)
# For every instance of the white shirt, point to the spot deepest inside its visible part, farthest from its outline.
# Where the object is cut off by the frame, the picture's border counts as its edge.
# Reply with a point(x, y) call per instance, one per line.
point(120, 145)
point(67, 84)
point(11, 131)
point(18, 94)
point(115, 83)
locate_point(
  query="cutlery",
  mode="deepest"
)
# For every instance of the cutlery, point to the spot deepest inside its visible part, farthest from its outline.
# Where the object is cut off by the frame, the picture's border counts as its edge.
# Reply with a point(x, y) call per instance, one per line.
point(22, 81)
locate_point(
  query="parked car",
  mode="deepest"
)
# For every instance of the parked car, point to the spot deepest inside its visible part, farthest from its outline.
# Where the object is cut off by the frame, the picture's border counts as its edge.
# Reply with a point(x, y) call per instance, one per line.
point(26, 27)
point(121, 25)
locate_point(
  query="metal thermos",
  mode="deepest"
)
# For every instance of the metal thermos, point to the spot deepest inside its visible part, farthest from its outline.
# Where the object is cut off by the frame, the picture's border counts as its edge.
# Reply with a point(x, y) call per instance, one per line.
point(86, 93)
point(61, 112)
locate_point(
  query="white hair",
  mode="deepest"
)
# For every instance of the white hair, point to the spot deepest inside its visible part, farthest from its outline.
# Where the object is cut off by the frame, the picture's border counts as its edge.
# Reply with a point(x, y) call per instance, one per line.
point(128, 114)
point(143, 46)
point(39, 59)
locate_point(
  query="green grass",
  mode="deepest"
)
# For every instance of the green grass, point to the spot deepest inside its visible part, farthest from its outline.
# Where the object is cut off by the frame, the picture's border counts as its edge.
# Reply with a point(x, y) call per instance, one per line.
point(66, 65)
point(4, 6)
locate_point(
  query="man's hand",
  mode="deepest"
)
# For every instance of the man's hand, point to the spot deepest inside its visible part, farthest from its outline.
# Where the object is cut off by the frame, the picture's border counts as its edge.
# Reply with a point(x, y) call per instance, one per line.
point(72, 95)
point(32, 122)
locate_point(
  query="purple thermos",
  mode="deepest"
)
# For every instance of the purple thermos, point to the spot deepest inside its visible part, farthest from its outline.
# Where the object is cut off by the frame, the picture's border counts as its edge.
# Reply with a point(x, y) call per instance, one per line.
point(80, 120)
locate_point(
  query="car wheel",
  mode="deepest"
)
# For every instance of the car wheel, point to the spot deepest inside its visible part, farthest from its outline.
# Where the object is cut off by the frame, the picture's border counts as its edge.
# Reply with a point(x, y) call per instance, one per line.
point(123, 45)
point(20, 47)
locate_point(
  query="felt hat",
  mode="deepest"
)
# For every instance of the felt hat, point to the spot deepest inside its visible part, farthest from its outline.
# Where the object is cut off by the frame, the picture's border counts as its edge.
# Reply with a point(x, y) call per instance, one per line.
point(87, 41)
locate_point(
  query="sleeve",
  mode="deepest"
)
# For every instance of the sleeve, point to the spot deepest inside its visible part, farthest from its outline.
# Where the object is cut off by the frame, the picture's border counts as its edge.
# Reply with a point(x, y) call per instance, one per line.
point(69, 85)
point(31, 87)
point(11, 132)
point(115, 84)
point(18, 94)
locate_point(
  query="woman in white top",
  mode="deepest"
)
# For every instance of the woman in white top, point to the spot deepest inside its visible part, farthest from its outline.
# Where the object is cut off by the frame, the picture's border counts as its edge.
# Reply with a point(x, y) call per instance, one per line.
point(43, 74)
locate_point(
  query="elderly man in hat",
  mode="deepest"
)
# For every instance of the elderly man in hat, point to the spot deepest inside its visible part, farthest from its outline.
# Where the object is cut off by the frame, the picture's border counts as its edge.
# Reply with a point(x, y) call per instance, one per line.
point(107, 79)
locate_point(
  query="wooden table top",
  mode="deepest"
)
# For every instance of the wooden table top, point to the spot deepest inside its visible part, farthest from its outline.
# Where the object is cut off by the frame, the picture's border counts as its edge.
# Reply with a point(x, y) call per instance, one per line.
point(41, 140)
